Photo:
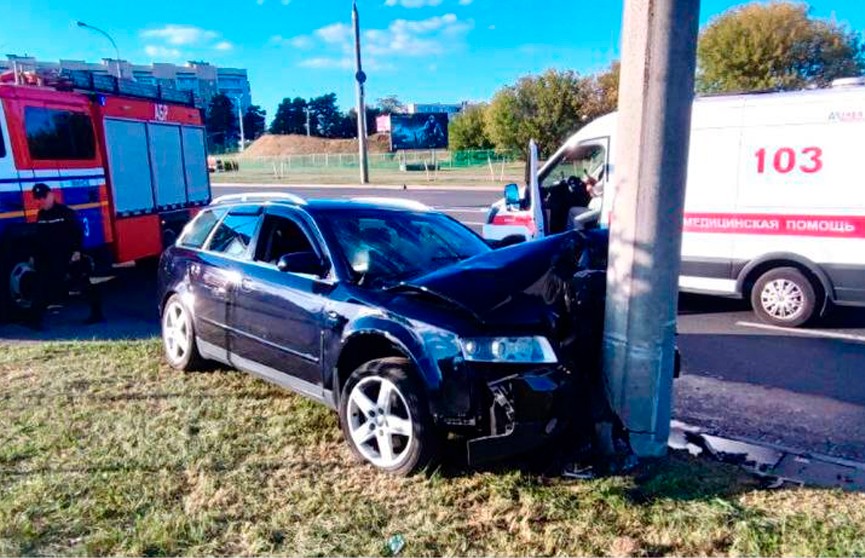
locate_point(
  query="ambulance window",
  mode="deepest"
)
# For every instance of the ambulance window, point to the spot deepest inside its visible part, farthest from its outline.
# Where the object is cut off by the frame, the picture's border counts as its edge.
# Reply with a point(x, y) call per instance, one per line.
point(582, 161)
point(59, 135)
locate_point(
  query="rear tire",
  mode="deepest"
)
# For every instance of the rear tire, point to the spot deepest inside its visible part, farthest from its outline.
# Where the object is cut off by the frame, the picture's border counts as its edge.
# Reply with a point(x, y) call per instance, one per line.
point(393, 432)
point(784, 297)
point(178, 336)
point(17, 284)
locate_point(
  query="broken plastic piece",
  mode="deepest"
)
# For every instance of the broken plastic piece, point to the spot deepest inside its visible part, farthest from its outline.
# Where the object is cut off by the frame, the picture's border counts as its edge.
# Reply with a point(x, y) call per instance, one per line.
point(395, 544)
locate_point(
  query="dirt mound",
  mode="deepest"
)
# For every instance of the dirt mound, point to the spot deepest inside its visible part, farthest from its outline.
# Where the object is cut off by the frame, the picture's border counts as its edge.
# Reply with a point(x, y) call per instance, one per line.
point(278, 145)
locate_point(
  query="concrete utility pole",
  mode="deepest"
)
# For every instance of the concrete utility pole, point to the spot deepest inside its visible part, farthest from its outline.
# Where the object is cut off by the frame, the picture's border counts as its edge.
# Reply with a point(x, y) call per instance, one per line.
point(360, 77)
point(656, 90)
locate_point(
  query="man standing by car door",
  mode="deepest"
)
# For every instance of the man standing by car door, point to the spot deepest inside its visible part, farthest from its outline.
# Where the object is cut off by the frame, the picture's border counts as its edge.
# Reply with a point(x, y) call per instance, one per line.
point(60, 240)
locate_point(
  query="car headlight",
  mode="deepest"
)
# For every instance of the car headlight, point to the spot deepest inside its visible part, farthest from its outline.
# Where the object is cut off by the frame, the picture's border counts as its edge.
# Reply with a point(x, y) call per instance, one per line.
point(536, 350)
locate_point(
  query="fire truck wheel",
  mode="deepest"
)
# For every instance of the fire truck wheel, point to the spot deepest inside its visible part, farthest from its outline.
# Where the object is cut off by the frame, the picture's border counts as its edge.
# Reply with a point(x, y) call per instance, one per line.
point(17, 282)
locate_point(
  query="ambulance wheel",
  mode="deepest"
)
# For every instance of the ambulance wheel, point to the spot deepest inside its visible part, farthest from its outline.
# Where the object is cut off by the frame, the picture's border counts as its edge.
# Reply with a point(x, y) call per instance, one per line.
point(785, 297)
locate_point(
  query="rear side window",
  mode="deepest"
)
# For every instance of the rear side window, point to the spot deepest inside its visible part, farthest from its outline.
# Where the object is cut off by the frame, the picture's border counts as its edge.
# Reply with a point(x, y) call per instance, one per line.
point(59, 135)
point(197, 231)
point(234, 234)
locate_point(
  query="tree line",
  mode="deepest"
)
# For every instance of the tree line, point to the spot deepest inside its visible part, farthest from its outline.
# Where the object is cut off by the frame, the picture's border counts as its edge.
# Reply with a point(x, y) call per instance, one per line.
point(223, 127)
point(759, 46)
point(773, 46)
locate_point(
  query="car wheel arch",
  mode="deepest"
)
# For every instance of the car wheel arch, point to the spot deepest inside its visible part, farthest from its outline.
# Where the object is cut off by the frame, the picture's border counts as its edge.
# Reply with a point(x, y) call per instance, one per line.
point(365, 345)
point(751, 273)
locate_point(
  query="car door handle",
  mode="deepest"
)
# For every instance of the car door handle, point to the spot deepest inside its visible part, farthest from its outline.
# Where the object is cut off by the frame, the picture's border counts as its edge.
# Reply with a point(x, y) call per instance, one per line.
point(246, 285)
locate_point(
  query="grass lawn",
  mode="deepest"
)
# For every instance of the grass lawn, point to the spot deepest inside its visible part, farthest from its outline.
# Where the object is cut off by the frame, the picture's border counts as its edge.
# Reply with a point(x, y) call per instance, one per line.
point(104, 450)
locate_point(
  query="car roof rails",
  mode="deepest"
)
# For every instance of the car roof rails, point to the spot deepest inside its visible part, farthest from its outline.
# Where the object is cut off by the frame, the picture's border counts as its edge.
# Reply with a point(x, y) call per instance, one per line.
point(398, 203)
point(259, 197)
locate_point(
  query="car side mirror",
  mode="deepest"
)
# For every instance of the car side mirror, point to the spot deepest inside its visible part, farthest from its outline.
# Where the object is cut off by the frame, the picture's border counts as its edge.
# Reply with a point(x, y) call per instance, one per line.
point(307, 263)
point(512, 194)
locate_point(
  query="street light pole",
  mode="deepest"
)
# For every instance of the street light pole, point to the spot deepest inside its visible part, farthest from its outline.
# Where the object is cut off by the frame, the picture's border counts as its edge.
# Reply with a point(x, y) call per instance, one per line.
point(107, 36)
point(360, 77)
point(240, 119)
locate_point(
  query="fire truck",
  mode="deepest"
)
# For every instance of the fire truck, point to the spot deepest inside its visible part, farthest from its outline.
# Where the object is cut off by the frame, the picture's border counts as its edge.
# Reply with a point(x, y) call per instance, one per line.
point(129, 158)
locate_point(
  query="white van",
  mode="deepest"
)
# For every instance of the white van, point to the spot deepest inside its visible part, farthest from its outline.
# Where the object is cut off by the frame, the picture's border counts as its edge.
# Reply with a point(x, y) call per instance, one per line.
point(775, 199)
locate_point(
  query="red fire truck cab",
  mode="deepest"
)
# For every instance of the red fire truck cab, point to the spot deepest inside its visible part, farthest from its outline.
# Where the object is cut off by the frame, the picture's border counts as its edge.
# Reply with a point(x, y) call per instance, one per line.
point(130, 159)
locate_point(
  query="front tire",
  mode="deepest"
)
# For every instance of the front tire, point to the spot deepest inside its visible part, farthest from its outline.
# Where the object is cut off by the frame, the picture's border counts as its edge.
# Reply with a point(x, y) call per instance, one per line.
point(385, 418)
point(178, 336)
point(784, 297)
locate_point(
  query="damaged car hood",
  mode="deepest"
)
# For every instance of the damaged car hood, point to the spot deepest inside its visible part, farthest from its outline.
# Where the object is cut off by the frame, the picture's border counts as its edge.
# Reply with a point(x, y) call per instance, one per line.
point(510, 286)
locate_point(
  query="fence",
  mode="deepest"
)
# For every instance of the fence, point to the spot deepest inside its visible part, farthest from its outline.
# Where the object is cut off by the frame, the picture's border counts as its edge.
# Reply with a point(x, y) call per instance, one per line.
point(475, 165)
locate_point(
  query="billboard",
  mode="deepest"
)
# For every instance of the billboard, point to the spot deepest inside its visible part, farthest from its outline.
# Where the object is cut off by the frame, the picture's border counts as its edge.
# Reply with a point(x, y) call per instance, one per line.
point(419, 131)
point(382, 123)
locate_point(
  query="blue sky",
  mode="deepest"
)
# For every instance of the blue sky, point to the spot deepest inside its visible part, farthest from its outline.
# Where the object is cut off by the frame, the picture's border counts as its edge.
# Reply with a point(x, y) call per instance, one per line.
point(420, 50)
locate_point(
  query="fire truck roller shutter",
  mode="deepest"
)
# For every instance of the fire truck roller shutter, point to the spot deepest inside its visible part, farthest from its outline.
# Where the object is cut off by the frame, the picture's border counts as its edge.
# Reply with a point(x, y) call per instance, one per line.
point(166, 155)
point(129, 166)
point(195, 164)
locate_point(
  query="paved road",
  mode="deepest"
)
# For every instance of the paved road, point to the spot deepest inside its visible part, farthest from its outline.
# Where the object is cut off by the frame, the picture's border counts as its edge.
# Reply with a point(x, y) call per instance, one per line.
point(802, 389)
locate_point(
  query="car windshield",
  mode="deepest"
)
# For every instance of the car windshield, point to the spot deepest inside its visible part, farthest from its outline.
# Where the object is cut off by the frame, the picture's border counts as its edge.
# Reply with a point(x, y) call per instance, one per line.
point(384, 247)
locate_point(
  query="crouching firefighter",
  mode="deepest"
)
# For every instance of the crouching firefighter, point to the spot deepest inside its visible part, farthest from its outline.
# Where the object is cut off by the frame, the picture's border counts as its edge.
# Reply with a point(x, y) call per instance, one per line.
point(59, 262)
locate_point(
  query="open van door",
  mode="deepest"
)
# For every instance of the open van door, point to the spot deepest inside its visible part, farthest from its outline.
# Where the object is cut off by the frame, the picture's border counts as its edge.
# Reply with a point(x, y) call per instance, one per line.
point(537, 203)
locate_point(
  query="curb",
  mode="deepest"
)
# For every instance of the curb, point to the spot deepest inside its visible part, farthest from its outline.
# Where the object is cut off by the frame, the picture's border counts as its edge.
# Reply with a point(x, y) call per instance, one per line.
point(784, 464)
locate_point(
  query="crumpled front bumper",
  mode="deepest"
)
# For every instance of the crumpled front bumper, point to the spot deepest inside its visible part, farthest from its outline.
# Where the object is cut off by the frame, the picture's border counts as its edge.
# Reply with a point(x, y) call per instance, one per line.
point(525, 411)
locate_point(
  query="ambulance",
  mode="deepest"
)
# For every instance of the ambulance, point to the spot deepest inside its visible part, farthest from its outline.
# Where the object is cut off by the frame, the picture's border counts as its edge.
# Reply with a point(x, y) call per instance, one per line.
point(129, 158)
point(775, 198)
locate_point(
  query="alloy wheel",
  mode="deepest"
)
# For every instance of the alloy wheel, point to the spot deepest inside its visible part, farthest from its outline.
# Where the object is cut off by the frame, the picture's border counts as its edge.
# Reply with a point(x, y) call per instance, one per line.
point(176, 333)
point(379, 422)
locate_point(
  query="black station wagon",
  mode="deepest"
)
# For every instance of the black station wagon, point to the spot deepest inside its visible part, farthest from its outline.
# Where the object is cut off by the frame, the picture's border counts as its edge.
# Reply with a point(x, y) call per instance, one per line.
point(398, 317)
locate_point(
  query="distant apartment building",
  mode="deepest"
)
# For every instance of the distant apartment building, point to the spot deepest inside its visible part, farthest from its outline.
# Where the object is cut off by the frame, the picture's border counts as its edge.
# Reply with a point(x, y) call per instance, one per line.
point(202, 78)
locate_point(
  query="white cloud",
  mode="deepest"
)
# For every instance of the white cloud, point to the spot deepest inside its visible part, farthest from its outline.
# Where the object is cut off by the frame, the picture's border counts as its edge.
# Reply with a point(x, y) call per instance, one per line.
point(303, 42)
point(325, 62)
point(179, 35)
point(423, 37)
point(159, 51)
point(403, 38)
point(413, 3)
point(335, 34)
point(190, 37)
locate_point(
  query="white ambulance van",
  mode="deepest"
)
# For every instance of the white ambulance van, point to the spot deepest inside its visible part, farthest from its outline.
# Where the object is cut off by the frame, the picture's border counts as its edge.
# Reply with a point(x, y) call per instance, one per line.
point(775, 198)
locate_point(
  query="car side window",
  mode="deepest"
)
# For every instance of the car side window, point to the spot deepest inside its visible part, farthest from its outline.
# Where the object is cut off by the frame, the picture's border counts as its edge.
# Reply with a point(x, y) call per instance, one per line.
point(280, 236)
point(234, 234)
point(196, 233)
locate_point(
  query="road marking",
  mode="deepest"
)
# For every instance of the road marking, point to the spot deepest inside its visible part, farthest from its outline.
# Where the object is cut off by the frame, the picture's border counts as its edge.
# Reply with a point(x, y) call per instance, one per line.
point(811, 332)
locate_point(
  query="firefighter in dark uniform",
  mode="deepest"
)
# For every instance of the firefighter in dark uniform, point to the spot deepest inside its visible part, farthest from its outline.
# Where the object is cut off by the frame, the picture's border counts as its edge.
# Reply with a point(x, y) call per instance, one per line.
point(60, 240)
